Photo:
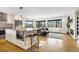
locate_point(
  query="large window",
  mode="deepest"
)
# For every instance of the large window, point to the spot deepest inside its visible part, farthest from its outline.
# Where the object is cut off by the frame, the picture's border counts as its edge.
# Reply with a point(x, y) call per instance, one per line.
point(55, 23)
point(29, 24)
point(40, 24)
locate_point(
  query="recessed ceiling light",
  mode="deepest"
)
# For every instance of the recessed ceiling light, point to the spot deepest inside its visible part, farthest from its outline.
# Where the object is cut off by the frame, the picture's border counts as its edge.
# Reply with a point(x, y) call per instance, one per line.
point(34, 10)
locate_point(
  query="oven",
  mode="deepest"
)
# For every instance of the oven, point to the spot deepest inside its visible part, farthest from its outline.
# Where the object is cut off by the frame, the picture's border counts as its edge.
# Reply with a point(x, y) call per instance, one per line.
point(20, 35)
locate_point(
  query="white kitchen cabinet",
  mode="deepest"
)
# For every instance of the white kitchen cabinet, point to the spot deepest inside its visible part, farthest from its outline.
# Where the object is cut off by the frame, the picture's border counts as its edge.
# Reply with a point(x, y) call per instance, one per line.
point(25, 44)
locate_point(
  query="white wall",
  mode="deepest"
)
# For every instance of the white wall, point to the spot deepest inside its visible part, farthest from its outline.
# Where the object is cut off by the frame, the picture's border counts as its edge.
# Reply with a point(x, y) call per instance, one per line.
point(63, 29)
point(73, 25)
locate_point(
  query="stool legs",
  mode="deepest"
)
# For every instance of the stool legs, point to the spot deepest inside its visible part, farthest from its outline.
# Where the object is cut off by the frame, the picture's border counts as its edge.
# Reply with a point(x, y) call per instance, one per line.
point(38, 41)
point(31, 44)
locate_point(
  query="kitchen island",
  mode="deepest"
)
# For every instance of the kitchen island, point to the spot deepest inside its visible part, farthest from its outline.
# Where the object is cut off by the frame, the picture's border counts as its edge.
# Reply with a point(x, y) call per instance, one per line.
point(22, 38)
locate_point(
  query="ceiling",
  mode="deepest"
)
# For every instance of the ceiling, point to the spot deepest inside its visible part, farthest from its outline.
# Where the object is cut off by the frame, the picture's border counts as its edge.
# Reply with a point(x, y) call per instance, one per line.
point(40, 12)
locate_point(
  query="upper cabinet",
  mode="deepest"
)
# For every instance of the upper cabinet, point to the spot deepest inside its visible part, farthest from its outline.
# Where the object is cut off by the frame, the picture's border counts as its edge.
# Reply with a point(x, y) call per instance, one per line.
point(10, 18)
point(3, 16)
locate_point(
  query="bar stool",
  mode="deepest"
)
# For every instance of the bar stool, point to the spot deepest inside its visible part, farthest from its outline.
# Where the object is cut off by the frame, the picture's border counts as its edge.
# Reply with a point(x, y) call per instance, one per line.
point(32, 39)
point(30, 36)
point(35, 40)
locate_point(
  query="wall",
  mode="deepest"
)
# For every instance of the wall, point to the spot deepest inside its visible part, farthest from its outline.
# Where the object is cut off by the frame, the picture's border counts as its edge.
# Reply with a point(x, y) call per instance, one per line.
point(54, 29)
point(63, 29)
point(73, 24)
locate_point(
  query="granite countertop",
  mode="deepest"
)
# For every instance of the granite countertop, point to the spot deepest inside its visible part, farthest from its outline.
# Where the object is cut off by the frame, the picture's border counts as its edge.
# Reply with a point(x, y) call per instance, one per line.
point(28, 29)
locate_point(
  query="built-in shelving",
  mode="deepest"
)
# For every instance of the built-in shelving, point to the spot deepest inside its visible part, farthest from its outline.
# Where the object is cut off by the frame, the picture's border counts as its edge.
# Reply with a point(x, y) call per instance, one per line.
point(77, 25)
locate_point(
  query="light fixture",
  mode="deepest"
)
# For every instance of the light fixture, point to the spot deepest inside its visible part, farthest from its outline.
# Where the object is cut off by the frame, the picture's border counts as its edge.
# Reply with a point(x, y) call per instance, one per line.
point(20, 7)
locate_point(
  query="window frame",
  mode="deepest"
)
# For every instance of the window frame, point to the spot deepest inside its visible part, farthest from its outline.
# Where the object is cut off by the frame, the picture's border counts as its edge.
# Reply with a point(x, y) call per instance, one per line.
point(41, 24)
point(56, 21)
point(26, 24)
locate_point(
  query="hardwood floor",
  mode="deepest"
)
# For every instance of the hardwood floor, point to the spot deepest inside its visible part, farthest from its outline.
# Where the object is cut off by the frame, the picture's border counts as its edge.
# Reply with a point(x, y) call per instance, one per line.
point(65, 44)
point(6, 46)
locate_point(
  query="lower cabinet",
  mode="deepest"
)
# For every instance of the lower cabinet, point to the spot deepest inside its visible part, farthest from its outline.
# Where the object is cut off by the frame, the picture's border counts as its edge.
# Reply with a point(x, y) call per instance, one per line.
point(11, 37)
